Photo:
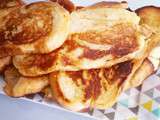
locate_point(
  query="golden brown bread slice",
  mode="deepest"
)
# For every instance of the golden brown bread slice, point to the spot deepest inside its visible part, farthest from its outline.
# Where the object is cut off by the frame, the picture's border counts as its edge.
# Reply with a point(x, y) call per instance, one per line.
point(38, 27)
point(151, 52)
point(97, 88)
point(5, 4)
point(4, 62)
point(99, 37)
point(148, 67)
point(150, 16)
point(18, 85)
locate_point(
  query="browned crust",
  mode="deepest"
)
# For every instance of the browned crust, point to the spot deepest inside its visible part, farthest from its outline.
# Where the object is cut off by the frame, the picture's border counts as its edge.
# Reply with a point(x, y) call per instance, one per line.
point(30, 29)
point(5, 4)
point(10, 50)
point(107, 4)
point(142, 73)
point(94, 82)
point(19, 29)
point(44, 61)
point(150, 16)
point(111, 4)
point(18, 85)
point(67, 4)
point(122, 38)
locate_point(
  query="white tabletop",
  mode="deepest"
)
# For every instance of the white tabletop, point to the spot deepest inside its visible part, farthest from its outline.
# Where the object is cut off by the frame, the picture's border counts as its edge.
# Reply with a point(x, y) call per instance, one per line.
point(18, 109)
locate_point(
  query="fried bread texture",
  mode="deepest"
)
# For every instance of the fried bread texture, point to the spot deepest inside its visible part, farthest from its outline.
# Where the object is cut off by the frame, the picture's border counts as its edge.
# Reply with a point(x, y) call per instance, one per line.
point(4, 62)
point(97, 88)
point(39, 27)
point(150, 16)
point(99, 37)
point(18, 85)
point(5, 4)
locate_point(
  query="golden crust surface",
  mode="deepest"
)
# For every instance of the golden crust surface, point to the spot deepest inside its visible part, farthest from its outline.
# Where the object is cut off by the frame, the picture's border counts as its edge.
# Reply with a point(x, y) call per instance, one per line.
point(5, 4)
point(18, 85)
point(101, 87)
point(145, 70)
point(35, 28)
point(88, 45)
point(97, 88)
point(110, 4)
point(150, 16)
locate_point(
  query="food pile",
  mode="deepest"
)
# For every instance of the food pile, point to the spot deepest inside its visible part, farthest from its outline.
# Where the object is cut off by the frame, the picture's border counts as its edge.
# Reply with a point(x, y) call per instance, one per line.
point(81, 57)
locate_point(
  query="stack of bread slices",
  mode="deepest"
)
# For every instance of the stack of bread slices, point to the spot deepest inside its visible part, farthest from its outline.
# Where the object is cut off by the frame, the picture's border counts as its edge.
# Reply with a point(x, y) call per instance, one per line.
point(82, 57)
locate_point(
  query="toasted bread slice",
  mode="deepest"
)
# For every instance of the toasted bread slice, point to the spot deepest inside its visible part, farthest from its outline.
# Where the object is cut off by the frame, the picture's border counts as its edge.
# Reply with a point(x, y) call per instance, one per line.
point(96, 88)
point(39, 27)
point(150, 16)
point(149, 66)
point(5, 4)
point(100, 87)
point(145, 70)
point(18, 85)
point(4, 62)
point(67, 4)
point(70, 92)
point(99, 37)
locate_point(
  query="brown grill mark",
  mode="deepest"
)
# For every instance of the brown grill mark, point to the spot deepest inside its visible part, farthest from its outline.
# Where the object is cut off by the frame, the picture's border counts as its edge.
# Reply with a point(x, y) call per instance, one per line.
point(94, 54)
point(122, 39)
point(117, 32)
point(71, 44)
point(118, 73)
point(66, 60)
point(26, 25)
point(76, 75)
point(94, 88)
point(44, 61)
point(88, 53)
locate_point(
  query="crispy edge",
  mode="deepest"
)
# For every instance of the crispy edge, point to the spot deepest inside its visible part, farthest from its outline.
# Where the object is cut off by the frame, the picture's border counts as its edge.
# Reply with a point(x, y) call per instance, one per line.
point(145, 70)
point(150, 16)
point(110, 4)
point(18, 85)
point(4, 63)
